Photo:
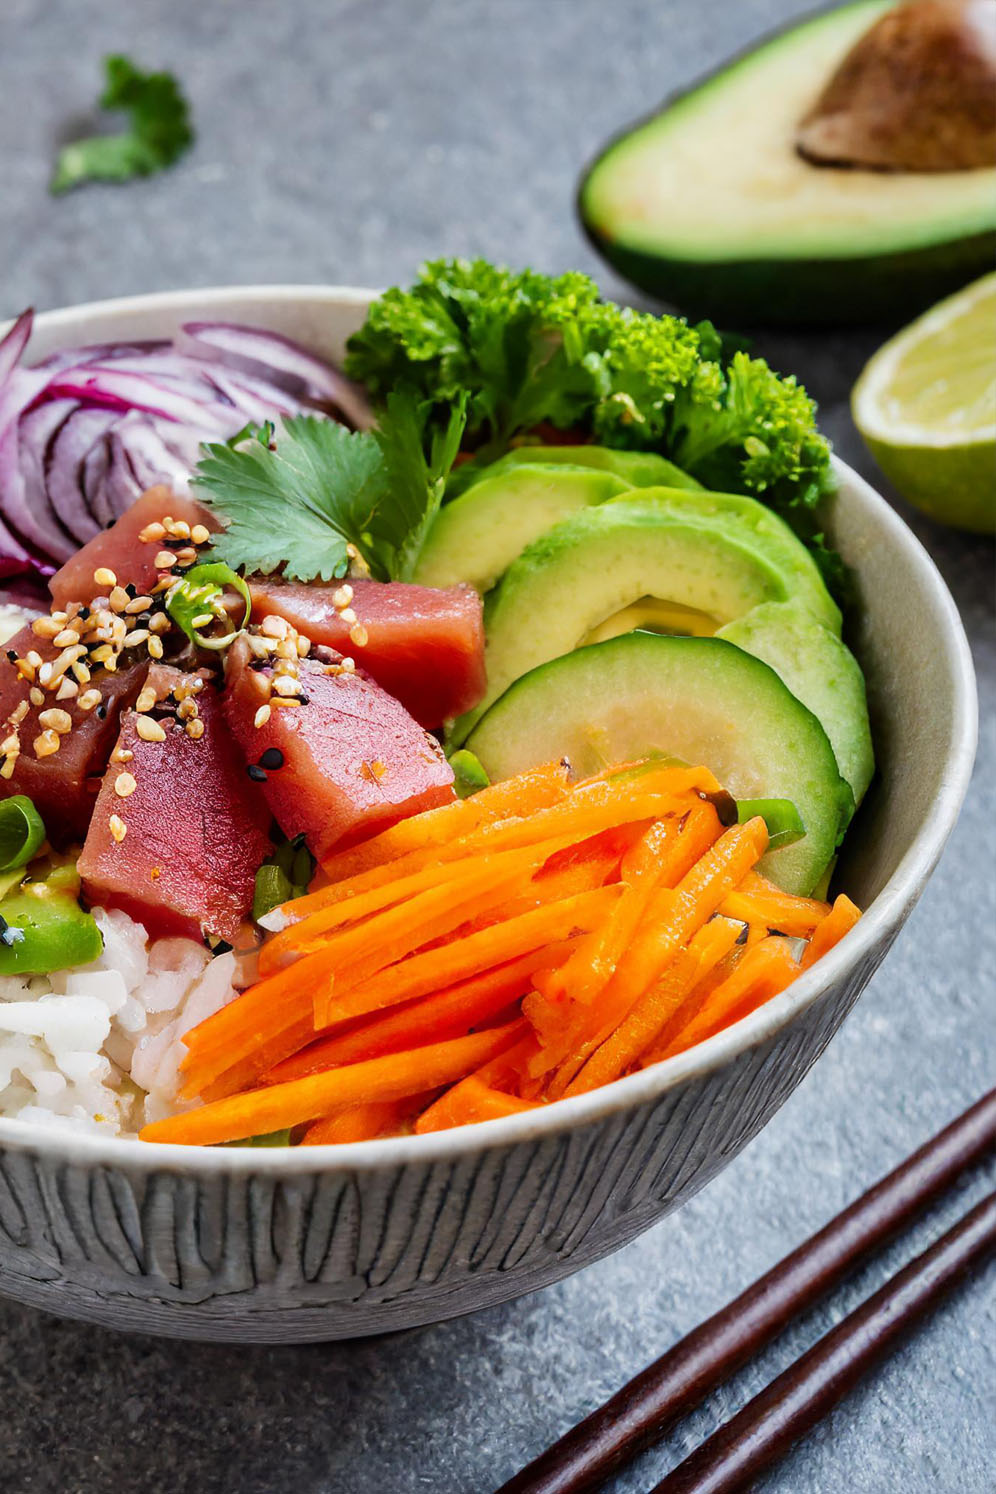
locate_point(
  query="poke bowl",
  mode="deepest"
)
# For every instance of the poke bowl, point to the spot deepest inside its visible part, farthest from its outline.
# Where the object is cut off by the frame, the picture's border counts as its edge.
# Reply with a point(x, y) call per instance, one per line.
point(295, 1243)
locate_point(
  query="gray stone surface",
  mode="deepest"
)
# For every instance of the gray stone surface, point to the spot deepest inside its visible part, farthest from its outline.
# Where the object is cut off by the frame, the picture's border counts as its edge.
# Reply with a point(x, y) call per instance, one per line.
point(345, 141)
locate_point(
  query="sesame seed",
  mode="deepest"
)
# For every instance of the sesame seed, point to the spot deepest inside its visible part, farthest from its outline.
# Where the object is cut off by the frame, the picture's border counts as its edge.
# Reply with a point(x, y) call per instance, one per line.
point(88, 700)
point(56, 719)
point(118, 599)
point(45, 627)
point(272, 759)
point(149, 730)
point(33, 658)
point(117, 827)
point(164, 560)
point(200, 534)
point(347, 614)
point(342, 596)
point(303, 645)
point(138, 604)
point(66, 638)
point(36, 696)
point(10, 745)
point(82, 672)
point(67, 690)
point(256, 773)
point(195, 728)
point(155, 647)
point(104, 577)
point(359, 635)
point(258, 646)
point(348, 665)
point(152, 532)
point(273, 627)
point(286, 666)
point(25, 670)
point(262, 716)
point(7, 770)
point(159, 624)
point(102, 654)
point(121, 755)
point(102, 713)
point(202, 620)
point(146, 699)
point(286, 649)
point(284, 685)
point(181, 529)
point(186, 710)
point(186, 556)
point(19, 712)
point(124, 785)
point(135, 637)
point(45, 743)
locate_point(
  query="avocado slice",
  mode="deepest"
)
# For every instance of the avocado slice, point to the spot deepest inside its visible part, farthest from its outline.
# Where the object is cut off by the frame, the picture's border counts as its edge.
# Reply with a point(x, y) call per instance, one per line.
point(820, 671)
point(715, 557)
point(477, 536)
point(709, 205)
point(702, 700)
point(638, 469)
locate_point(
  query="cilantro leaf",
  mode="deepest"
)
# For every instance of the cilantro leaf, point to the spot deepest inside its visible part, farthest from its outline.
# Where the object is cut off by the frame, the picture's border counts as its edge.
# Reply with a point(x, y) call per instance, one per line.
point(318, 495)
point(159, 130)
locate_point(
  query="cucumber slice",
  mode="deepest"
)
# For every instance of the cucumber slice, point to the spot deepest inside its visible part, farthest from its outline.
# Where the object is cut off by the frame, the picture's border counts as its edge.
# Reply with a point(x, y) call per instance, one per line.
point(821, 672)
point(711, 555)
point(698, 699)
point(477, 536)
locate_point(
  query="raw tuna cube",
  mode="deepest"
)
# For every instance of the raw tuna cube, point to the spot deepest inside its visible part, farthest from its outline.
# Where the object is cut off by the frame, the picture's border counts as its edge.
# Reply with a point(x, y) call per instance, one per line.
point(424, 644)
point(119, 549)
point(63, 784)
point(347, 762)
point(196, 829)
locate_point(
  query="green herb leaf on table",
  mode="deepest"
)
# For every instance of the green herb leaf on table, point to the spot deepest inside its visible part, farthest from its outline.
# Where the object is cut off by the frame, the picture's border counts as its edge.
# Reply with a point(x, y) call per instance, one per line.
point(303, 499)
point(158, 134)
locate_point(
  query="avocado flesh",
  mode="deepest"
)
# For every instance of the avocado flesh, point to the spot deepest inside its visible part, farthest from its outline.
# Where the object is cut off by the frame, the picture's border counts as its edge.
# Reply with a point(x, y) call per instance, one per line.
point(597, 563)
point(651, 615)
point(477, 536)
point(639, 469)
point(701, 700)
point(709, 204)
point(821, 672)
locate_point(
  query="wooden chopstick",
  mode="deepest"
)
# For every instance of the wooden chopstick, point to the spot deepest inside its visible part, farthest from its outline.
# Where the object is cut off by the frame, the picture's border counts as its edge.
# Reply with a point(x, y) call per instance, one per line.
point(642, 1411)
point(729, 1460)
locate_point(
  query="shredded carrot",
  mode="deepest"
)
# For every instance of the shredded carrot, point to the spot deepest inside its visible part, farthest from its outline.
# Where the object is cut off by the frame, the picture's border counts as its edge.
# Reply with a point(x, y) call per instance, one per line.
point(468, 1103)
point(391, 1077)
point(362, 1122)
point(765, 970)
point(757, 900)
point(838, 922)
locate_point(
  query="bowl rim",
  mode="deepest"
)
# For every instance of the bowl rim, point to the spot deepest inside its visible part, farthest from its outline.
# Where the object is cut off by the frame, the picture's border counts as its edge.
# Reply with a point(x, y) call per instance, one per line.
point(883, 915)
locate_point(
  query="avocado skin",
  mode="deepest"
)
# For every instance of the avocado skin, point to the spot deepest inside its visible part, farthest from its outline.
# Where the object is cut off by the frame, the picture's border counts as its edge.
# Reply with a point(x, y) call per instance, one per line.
point(866, 290)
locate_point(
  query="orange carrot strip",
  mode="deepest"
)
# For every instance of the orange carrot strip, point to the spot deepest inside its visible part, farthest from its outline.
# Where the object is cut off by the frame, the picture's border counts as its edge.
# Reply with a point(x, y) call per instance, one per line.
point(673, 916)
point(516, 796)
point(622, 1048)
point(266, 1021)
point(391, 1077)
point(467, 1104)
point(757, 900)
point(362, 1122)
point(428, 1019)
point(839, 921)
point(764, 971)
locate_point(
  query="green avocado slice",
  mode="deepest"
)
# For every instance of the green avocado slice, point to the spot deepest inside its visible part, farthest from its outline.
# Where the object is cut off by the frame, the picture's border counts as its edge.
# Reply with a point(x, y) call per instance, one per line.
point(709, 205)
point(701, 700)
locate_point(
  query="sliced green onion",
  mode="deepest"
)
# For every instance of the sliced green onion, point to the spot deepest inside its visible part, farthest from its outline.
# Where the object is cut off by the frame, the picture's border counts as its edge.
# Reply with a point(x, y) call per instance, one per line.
point(284, 875)
point(469, 776)
point(273, 887)
point(197, 592)
point(782, 818)
point(22, 831)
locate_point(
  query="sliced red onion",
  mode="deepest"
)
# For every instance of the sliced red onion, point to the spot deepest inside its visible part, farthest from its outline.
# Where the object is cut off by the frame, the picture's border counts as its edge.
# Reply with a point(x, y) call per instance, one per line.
point(86, 430)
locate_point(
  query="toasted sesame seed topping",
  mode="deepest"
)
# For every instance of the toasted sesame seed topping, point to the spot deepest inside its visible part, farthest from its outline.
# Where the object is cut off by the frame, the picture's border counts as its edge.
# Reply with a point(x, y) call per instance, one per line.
point(134, 638)
point(105, 577)
point(117, 827)
point(146, 699)
point(19, 712)
point(180, 529)
point(273, 627)
point(66, 638)
point(57, 719)
point(202, 620)
point(195, 728)
point(347, 614)
point(200, 534)
point(46, 742)
point(149, 730)
point(82, 672)
point(256, 773)
point(284, 685)
point(262, 716)
point(33, 658)
point(10, 745)
point(186, 556)
point(8, 766)
point(164, 560)
point(159, 623)
point(303, 645)
point(88, 700)
point(359, 635)
point(68, 689)
point(121, 755)
point(36, 696)
point(155, 647)
point(187, 709)
point(124, 785)
point(118, 599)
point(45, 627)
point(152, 533)
point(138, 604)
point(342, 596)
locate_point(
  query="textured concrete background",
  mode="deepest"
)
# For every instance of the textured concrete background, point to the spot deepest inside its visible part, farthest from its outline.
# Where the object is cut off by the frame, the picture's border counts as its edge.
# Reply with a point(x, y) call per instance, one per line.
point(344, 142)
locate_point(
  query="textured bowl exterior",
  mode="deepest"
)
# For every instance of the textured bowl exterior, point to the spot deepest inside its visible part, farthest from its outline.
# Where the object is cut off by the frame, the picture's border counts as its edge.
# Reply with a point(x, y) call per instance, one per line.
point(337, 1242)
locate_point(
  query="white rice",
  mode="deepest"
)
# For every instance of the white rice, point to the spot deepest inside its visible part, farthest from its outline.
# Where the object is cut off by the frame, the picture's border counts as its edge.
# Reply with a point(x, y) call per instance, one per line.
point(98, 1048)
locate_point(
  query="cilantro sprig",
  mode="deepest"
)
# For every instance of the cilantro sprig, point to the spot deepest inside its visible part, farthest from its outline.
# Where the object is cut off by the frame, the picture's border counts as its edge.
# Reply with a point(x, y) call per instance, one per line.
point(310, 497)
point(158, 132)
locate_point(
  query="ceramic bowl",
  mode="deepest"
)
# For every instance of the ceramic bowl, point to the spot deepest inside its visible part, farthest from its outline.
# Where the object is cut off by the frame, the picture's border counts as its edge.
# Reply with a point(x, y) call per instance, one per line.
point(335, 1242)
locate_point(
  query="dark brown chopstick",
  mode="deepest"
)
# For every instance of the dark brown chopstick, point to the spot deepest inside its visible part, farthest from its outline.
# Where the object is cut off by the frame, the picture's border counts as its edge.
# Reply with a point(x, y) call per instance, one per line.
point(730, 1460)
point(643, 1410)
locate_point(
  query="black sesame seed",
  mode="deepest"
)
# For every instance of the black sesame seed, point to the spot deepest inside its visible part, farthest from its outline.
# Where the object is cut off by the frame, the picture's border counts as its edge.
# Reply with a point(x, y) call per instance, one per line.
point(12, 655)
point(272, 759)
point(743, 934)
point(256, 773)
point(132, 590)
point(101, 713)
point(304, 700)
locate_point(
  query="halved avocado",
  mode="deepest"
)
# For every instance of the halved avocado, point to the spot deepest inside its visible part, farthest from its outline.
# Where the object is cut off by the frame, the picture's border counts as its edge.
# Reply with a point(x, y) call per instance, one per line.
point(477, 536)
point(639, 469)
point(699, 699)
point(709, 205)
point(820, 671)
point(595, 565)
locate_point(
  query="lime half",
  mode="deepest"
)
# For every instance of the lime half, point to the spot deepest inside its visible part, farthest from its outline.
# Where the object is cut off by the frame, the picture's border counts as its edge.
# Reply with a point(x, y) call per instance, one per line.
point(926, 407)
